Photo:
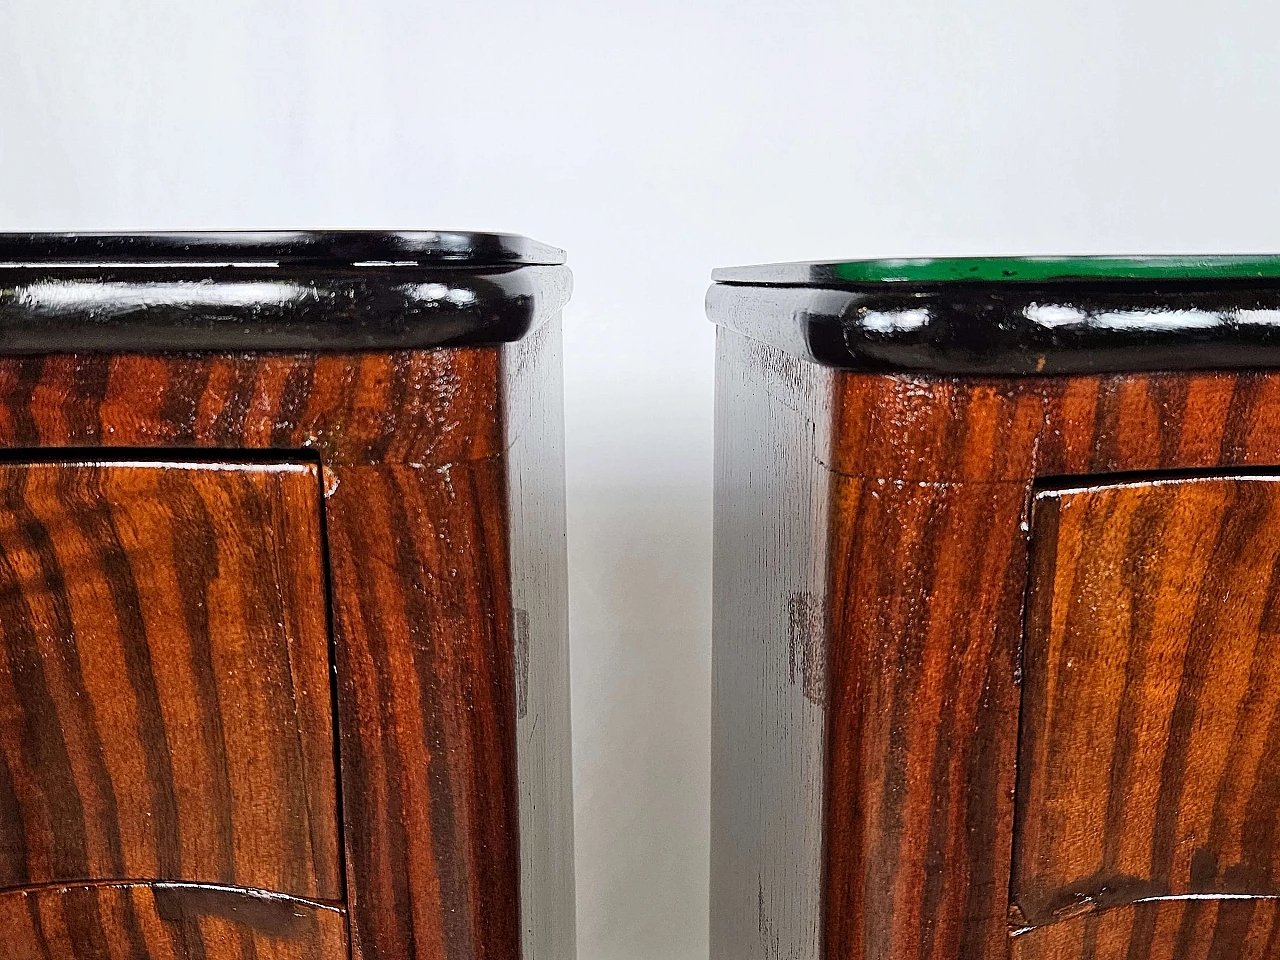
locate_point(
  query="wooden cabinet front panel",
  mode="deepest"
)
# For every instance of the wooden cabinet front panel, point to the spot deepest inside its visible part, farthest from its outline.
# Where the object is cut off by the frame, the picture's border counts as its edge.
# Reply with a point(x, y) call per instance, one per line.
point(1149, 762)
point(164, 677)
point(1197, 929)
point(166, 922)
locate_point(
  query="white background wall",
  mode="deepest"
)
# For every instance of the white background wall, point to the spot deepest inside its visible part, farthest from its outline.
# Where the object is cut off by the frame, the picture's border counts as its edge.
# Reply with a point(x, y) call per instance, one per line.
point(653, 141)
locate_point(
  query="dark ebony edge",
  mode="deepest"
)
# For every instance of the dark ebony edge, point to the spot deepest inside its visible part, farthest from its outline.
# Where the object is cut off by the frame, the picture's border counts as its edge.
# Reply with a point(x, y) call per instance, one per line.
point(1001, 329)
point(316, 248)
point(218, 309)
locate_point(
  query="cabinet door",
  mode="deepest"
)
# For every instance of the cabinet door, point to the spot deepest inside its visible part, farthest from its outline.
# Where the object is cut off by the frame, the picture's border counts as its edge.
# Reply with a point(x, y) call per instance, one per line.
point(166, 922)
point(165, 705)
point(1148, 800)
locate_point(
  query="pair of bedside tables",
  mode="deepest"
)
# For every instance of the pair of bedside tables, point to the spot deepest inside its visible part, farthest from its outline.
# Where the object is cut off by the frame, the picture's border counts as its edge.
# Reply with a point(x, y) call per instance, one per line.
point(283, 630)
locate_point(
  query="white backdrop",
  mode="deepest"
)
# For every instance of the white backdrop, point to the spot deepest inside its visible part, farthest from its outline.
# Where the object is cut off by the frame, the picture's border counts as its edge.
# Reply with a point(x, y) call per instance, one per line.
point(653, 141)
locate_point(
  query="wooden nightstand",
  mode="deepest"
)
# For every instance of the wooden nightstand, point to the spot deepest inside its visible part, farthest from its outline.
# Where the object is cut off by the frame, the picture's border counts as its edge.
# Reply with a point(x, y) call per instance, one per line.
point(997, 610)
point(283, 651)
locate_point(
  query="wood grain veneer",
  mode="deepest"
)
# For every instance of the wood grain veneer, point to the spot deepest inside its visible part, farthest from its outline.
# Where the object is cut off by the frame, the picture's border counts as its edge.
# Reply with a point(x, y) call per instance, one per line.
point(423, 627)
point(418, 482)
point(164, 690)
point(1150, 751)
point(167, 922)
point(1227, 929)
point(425, 406)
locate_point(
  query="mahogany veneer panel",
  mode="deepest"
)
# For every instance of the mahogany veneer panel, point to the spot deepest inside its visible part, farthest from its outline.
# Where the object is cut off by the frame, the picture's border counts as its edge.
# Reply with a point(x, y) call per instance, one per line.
point(924, 595)
point(166, 922)
point(437, 413)
point(1237, 929)
point(415, 406)
point(423, 628)
point(164, 676)
point(1150, 750)
point(993, 429)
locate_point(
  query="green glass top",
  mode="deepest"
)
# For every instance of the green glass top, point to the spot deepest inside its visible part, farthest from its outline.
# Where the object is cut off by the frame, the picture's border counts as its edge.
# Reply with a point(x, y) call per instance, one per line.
point(988, 269)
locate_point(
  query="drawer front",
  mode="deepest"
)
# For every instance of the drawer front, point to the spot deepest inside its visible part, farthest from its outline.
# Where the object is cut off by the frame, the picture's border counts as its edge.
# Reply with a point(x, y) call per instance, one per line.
point(1149, 755)
point(166, 922)
point(164, 677)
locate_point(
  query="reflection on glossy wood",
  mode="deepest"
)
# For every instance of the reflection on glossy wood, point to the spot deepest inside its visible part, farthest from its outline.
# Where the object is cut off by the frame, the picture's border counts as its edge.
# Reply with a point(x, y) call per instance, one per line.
point(944, 429)
point(422, 620)
point(1150, 755)
point(1039, 324)
point(1237, 929)
point(164, 697)
point(423, 460)
point(925, 588)
point(166, 922)
point(428, 406)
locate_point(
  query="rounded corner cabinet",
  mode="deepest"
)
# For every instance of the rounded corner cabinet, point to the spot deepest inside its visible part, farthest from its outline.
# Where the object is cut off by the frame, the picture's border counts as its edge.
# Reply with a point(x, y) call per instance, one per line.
point(283, 638)
point(996, 647)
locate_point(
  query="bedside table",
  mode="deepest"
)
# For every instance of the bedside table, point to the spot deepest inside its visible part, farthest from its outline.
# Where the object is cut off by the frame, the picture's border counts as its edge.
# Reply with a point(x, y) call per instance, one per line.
point(997, 580)
point(283, 638)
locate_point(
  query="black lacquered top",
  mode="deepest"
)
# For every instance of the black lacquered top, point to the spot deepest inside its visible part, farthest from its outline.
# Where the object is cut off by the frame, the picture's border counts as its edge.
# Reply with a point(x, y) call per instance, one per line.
point(1012, 316)
point(273, 291)
point(313, 248)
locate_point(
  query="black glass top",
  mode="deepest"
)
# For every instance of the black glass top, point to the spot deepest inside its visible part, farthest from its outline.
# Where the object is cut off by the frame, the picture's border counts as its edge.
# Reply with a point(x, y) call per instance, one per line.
point(312, 248)
point(940, 270)
point(1012, 316)
point(273, 290)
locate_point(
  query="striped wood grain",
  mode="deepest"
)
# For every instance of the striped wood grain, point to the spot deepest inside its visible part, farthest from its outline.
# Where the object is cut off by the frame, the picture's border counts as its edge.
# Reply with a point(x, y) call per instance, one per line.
point(167, 922)
point(164, 690)
point(1150, 751)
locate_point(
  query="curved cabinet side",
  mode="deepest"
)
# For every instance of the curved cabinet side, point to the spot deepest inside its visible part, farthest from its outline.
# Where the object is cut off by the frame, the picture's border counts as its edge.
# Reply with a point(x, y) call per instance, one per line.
point(769, 652)
point(534, 424)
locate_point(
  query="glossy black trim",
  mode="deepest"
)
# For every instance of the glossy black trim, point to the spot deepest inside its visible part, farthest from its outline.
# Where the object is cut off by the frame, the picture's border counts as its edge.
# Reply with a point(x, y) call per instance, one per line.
point(1014, 329)
point(315, 248)
point(136, 309)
